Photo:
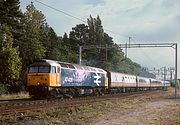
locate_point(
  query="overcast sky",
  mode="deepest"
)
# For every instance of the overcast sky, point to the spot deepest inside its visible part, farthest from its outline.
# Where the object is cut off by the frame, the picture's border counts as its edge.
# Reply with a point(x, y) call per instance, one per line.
point(146, 21)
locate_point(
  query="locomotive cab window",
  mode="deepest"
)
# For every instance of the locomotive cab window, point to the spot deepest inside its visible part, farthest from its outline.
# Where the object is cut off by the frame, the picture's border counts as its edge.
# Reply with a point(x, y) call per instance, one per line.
point(33, 69)
point(39, 69)
point(44, 69)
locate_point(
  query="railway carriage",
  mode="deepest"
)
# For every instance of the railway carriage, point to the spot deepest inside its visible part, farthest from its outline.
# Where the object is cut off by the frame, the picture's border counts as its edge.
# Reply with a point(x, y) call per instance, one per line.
point(122, 80)
point(119, 82)
point(52, 77)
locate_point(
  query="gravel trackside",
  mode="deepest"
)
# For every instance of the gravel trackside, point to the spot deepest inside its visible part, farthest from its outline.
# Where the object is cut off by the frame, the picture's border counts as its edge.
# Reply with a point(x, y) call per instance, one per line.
point(155, 112)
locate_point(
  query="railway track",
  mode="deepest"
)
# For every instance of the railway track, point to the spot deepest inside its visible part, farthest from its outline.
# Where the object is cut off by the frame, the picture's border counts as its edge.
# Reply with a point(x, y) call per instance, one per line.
point(20, 107)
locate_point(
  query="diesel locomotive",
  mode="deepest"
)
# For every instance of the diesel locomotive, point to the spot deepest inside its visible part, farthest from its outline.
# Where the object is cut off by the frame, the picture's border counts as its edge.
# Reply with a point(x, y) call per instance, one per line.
point(54, 78)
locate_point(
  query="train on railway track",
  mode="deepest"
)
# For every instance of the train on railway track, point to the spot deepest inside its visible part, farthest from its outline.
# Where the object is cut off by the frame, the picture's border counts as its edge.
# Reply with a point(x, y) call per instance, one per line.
point(48, 78)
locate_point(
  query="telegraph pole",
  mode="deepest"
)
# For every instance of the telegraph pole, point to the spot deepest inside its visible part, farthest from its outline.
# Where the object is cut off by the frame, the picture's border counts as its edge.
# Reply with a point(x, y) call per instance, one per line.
point(129, 41)
point(127, 46)
point(126, 49)
point(80, 55)
point(164, 75)
point(106, 52)
point(175, 70)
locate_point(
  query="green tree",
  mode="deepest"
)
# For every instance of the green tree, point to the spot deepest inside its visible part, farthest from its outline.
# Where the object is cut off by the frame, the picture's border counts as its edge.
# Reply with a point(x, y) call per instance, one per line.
point(10, 63)
point(79, 33)
point(11, 16)
point(77, 37)
point(31, 46)
point(49, 40)
point(69, 48)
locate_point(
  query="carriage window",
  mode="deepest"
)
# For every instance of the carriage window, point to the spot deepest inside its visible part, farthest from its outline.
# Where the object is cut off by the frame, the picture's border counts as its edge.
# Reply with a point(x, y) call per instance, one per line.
point(142, 80)
point(33, 69)
point(53, 70)
point(44, 69)
point(123, 79)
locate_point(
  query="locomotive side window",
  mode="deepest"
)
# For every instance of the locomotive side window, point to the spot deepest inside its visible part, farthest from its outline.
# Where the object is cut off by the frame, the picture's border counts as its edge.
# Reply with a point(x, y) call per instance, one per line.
point(58, 69)
point(53, 70)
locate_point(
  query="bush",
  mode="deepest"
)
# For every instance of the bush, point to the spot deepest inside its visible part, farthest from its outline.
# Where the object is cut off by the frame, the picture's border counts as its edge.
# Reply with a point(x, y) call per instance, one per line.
point(3, 89)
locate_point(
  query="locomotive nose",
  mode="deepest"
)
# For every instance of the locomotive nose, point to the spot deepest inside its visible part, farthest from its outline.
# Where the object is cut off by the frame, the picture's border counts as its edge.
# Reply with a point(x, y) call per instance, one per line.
point(40, 79)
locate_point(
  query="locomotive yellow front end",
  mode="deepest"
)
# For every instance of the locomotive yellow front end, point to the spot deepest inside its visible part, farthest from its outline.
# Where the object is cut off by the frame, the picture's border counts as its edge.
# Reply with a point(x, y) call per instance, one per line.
point(41, 77)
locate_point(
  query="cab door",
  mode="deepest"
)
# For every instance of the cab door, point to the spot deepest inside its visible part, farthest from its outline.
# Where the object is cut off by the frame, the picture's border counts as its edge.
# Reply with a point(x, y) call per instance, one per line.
point(53, 76)
point(58, 77)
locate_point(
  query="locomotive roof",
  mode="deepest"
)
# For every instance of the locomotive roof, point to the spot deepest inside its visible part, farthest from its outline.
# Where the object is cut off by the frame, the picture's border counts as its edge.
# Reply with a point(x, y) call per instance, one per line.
point(44, 62)
point(79, 67)
point(69, 65)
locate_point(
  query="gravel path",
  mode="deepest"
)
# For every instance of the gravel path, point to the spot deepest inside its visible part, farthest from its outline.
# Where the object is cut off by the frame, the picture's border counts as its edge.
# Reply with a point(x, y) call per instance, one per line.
point(156, 112)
